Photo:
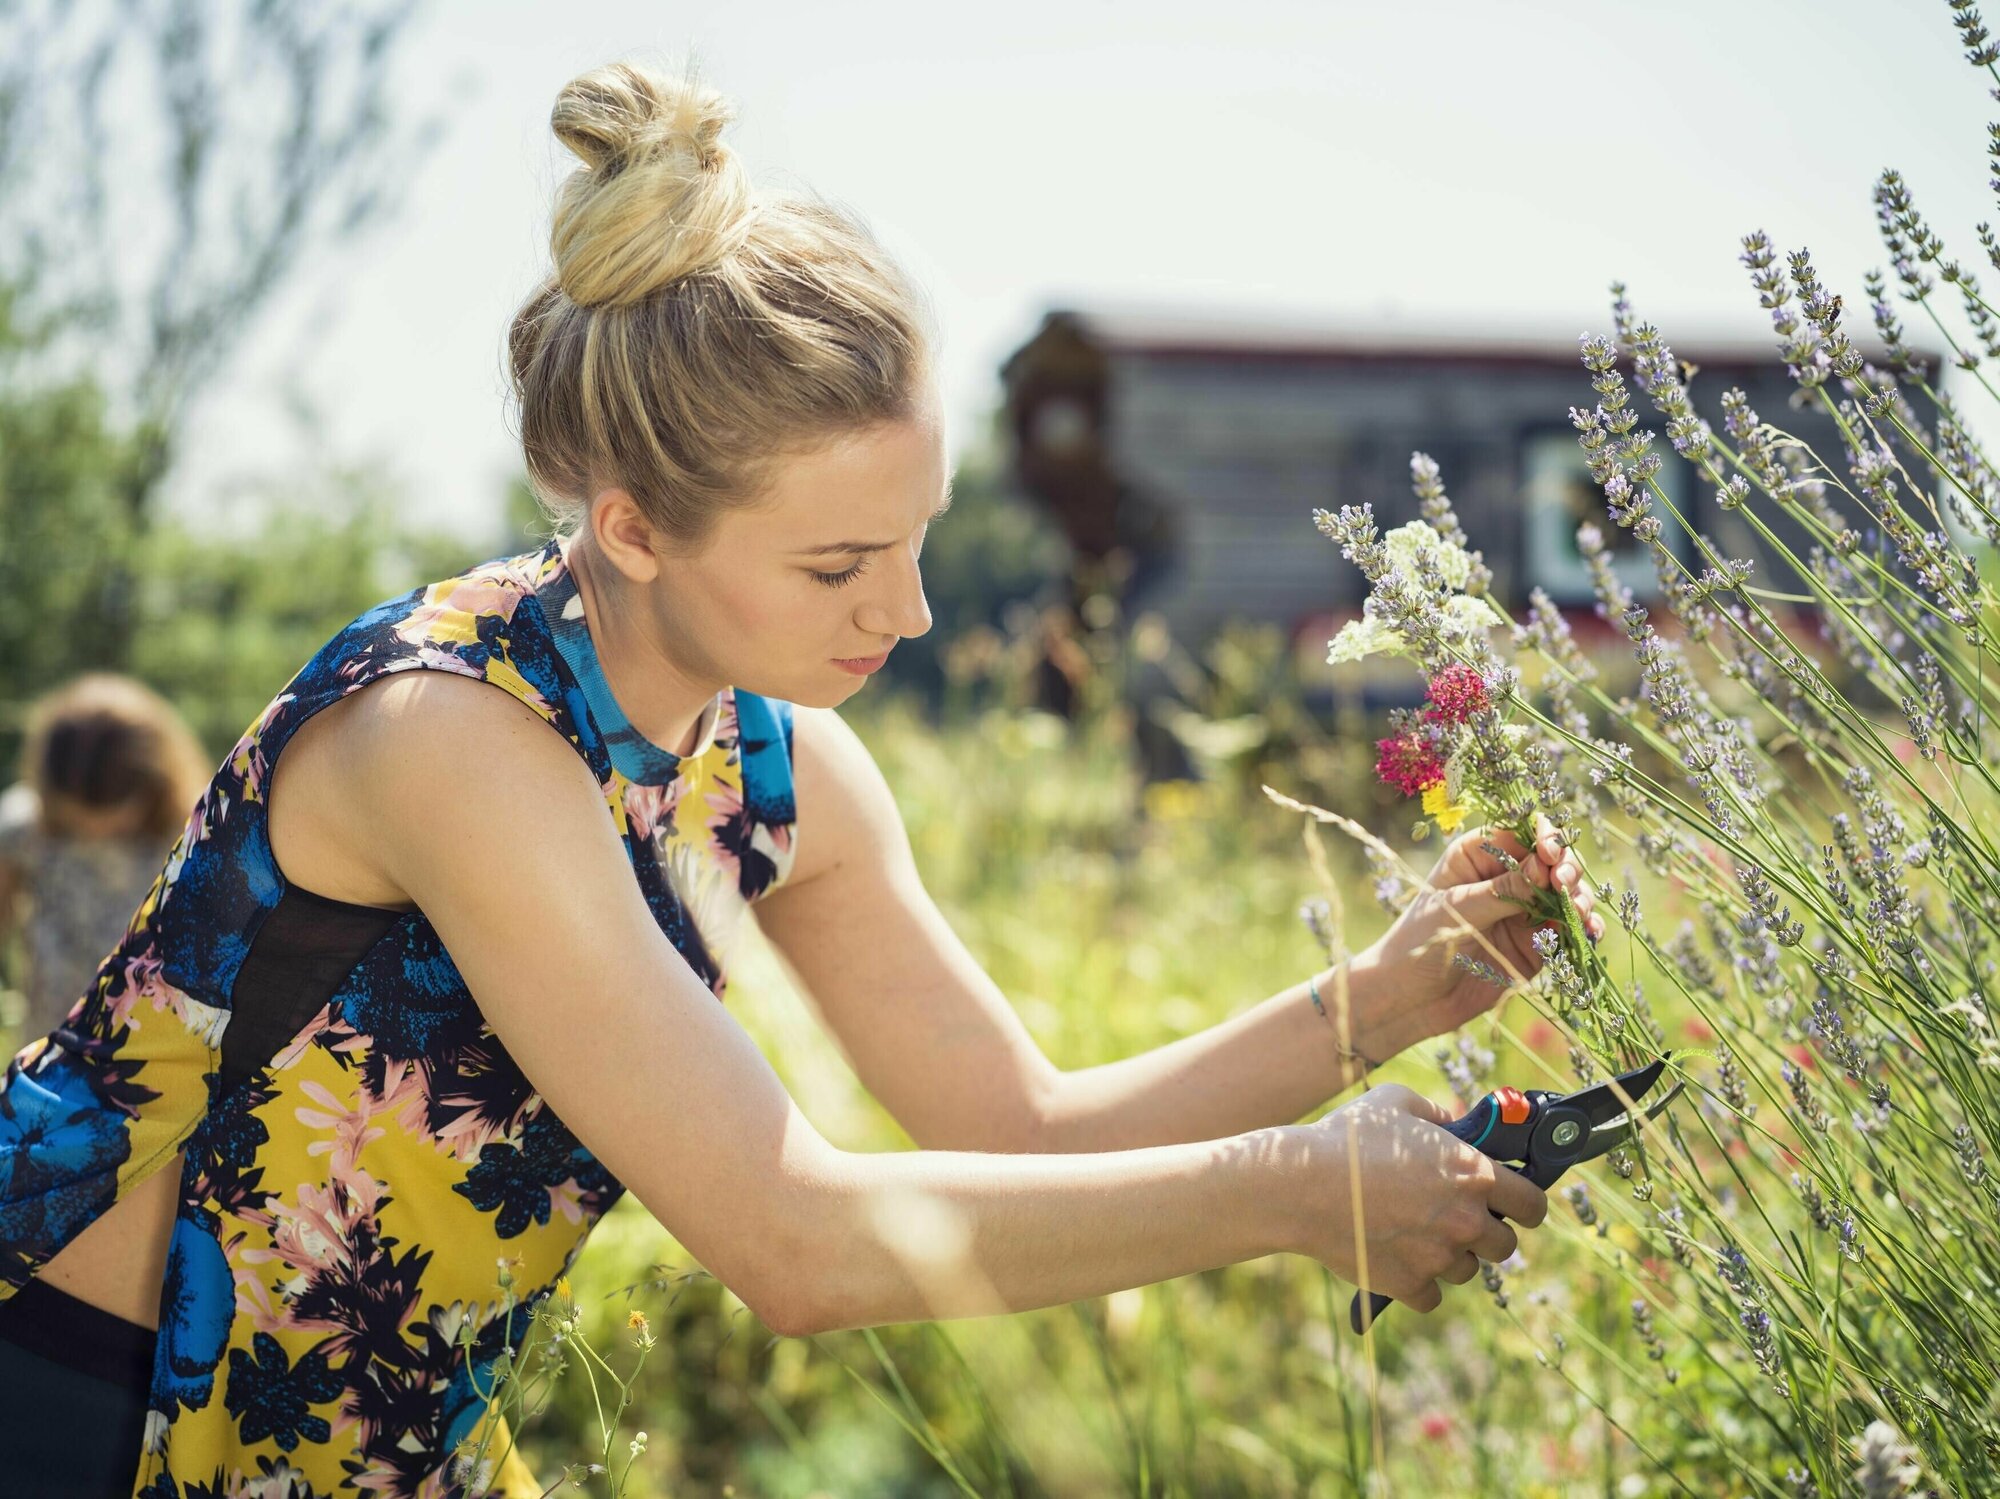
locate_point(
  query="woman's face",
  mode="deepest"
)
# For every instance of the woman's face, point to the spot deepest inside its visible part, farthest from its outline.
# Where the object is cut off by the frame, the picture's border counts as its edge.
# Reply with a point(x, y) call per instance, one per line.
point(823, 568)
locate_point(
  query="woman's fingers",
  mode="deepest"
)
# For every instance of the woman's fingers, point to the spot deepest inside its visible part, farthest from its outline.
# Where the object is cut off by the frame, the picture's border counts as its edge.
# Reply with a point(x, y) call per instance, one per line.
point(1483, 864)
point(1549, 842)
point(1552, 865)
point(1484, 902)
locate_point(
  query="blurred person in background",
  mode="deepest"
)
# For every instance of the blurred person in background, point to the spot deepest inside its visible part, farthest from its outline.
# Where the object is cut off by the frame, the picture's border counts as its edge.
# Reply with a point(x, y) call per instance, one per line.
point(433, 977)
point(109, 772)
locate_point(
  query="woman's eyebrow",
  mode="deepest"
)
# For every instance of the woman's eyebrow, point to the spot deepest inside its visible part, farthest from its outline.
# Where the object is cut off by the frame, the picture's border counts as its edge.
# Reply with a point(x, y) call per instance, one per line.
point(868, 546)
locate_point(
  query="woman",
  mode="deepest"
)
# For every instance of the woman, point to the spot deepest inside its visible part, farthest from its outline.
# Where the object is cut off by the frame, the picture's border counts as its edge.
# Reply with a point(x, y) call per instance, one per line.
point(426, 984)
point(108, 772)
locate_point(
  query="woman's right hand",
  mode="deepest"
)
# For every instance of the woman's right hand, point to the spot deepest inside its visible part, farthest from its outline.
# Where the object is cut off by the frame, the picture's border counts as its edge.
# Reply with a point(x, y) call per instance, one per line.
point(1389, 1202)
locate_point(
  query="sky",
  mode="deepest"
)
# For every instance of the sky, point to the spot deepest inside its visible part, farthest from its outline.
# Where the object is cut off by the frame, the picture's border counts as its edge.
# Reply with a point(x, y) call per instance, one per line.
point(1469, 168)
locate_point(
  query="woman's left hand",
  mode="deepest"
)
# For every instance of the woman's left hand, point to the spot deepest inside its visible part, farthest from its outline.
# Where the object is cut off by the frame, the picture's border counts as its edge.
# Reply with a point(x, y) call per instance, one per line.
point(1470, 888)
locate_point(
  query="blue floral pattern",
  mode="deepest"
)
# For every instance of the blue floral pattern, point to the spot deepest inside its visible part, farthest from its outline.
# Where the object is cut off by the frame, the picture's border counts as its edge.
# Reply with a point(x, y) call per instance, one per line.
point(270, 1398)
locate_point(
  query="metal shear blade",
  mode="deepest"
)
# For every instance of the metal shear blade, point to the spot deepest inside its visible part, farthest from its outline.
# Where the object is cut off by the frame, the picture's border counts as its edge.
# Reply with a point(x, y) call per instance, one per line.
point(1613, 1122)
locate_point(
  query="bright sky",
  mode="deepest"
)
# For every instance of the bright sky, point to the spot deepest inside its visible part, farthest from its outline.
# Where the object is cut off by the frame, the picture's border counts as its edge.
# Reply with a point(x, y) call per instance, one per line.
point(1470, 166)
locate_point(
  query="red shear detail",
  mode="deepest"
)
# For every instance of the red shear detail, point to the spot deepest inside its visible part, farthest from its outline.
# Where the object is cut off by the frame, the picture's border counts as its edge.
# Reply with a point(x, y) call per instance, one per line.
point(1513, 1105)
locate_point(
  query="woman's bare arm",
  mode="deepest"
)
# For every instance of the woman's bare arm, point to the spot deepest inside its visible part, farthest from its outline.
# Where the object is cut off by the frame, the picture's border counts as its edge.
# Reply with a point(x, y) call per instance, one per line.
point(936, 1041)
point(469, 804)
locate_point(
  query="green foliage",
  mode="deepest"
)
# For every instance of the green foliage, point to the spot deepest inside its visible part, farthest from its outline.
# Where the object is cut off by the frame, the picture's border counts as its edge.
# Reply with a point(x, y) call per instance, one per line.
point(216, 621)
point(225, 621)
point(64, 531)
point(278, 141)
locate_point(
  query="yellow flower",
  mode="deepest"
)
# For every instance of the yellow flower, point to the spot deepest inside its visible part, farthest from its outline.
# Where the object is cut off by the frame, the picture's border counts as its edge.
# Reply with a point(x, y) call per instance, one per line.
point(562, 1287)
point(642, 1335)
point(1442, 809)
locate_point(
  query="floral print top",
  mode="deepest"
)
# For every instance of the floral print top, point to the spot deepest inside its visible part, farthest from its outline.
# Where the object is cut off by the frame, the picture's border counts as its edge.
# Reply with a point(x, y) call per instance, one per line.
point(359, 1147)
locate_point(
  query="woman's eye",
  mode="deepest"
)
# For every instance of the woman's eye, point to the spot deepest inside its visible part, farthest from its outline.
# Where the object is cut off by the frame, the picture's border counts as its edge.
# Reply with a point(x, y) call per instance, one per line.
point(835, 580)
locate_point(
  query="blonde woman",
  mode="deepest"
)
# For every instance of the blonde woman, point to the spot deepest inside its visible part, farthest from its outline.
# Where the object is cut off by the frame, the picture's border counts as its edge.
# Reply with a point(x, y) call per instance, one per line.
point(109, 772)
point(433, 977)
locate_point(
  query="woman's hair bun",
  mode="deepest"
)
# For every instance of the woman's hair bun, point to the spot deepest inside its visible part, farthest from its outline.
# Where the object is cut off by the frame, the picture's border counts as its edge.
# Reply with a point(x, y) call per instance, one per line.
point(659, 196)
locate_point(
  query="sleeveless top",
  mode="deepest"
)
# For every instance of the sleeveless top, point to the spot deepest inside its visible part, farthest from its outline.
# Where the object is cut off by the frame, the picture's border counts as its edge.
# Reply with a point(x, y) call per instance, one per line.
point(360, 1148)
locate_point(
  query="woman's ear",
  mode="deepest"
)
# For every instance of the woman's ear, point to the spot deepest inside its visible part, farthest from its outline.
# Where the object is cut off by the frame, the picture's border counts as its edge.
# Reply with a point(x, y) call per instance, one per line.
point(623, 535)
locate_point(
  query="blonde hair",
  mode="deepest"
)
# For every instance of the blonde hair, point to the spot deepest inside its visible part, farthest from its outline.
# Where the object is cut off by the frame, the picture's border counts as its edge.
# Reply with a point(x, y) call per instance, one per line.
point(694, 330)
point(103, 740)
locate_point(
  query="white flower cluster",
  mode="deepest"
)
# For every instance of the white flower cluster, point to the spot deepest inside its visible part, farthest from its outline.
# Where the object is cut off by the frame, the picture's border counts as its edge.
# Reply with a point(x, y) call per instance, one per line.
point(1462, 616)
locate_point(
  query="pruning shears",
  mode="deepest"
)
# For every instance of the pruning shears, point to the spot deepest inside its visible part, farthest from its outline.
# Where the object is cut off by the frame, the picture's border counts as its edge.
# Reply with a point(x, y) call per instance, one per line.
point(1548, 1133)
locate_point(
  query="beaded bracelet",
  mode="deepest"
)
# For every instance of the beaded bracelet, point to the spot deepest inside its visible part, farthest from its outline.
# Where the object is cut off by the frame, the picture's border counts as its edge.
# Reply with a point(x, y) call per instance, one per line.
point(1312, 988)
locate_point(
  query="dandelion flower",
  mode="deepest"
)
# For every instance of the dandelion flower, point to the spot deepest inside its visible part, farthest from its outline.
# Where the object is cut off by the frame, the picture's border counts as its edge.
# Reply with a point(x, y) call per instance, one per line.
point(1442, 810)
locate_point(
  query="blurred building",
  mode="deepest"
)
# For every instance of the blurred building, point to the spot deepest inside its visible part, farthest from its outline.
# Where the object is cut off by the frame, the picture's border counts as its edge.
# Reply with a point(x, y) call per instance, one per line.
point(1184, 457)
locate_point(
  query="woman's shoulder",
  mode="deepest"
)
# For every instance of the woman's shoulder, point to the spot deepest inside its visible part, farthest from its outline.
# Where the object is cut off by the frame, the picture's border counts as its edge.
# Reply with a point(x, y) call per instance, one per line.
point(470, 624)
point(407, 687)
point(406, 761)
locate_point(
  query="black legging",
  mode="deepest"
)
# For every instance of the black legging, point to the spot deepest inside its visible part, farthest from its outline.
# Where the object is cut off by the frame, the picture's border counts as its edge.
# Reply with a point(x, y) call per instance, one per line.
point(73, 1383)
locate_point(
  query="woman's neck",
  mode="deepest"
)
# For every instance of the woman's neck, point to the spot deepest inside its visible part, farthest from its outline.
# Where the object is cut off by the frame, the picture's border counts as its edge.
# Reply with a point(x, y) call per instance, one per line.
point(656, 696)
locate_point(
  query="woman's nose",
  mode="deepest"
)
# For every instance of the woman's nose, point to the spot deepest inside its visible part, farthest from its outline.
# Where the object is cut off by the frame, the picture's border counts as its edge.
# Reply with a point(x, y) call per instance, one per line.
point(905, 612)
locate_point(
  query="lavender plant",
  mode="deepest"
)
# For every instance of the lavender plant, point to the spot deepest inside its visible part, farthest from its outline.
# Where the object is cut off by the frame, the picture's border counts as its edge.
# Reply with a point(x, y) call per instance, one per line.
point(1819, 1239)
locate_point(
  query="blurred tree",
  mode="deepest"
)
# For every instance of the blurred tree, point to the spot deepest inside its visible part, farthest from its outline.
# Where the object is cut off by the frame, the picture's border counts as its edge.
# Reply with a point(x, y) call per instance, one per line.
point(218, 621)
point(64, 523)
point(165, 165)
point(225, 621)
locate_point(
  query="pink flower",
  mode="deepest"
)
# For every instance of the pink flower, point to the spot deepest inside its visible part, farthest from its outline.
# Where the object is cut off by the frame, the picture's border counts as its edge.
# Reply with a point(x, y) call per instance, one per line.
point(349, 1127)
point(650, 809)
point(1408, 763)
point(1436, 1425)
point(1457, 692)
point(327, 1029)
point(450, 607)
point(405, 1097)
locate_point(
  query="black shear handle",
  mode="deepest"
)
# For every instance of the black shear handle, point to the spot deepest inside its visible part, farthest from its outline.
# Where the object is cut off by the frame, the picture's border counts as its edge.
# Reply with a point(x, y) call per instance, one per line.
point(1472, 1127)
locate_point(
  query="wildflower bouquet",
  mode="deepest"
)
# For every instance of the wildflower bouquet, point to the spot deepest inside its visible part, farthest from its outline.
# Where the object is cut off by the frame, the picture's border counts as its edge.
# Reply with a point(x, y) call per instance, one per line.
point(1811, 1254)
point(1463, 754)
